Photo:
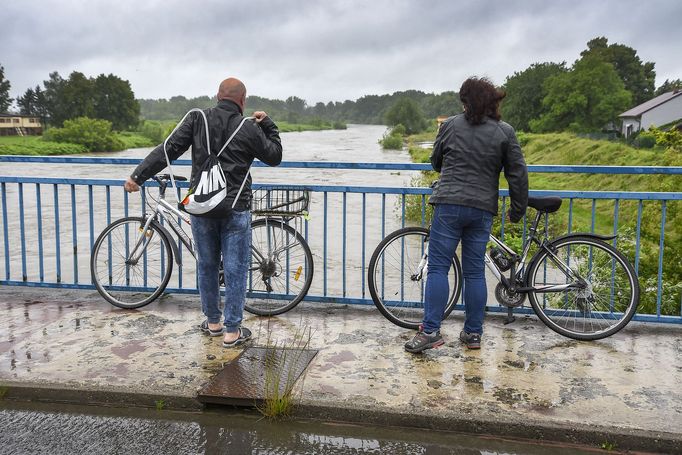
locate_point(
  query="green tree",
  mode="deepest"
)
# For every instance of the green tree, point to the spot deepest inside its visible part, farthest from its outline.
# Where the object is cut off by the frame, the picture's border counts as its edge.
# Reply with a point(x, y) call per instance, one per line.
point(54, 88)
point(296, 105)
point(639, 78)
point(446, 103)
point(78, 96)
point(114, 100)
point(5, 100)
point(523, 102)
point(584, 99)
point(669, 86)
point(40, 104)
point(407, 112)
point(27, 103)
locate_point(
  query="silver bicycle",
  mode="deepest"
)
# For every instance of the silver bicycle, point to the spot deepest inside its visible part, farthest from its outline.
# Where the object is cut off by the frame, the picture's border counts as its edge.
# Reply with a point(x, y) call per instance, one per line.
point(577, 284)
point(132, 259)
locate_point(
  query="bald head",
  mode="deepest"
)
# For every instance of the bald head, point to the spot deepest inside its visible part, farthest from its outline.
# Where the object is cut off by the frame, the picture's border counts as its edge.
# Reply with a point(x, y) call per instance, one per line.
point(232, 89)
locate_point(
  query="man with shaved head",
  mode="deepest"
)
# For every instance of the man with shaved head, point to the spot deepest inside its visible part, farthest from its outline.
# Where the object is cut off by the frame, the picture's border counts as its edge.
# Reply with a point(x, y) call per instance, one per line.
point(228, 233)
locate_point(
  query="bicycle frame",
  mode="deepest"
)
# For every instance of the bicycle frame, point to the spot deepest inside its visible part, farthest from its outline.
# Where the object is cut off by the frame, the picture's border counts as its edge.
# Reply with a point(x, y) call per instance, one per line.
point(163, 211)
point(517, 276)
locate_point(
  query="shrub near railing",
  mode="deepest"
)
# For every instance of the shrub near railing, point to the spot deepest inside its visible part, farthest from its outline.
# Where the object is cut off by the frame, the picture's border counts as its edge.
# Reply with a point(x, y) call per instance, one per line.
point(93, 134)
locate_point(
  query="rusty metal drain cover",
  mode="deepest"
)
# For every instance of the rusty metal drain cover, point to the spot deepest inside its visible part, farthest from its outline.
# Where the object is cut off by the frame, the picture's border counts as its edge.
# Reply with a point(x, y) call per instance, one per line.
point(243, 381)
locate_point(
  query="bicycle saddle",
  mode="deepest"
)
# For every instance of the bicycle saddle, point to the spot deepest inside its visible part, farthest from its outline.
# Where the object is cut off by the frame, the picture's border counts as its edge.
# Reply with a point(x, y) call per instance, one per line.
point(548, 204)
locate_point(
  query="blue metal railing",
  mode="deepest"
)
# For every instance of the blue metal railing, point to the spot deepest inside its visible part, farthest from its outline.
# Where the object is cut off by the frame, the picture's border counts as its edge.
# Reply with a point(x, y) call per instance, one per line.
point(49, 225)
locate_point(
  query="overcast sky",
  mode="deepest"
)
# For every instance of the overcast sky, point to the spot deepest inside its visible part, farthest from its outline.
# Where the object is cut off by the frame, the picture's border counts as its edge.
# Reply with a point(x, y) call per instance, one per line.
point(325, 50)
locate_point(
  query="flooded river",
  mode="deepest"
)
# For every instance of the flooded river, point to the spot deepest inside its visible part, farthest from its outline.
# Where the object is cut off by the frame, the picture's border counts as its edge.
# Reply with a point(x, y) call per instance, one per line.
point(367, 217)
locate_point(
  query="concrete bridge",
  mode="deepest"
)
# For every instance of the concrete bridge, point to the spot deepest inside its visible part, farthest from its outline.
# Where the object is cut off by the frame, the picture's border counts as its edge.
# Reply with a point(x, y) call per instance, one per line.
point(64, 343)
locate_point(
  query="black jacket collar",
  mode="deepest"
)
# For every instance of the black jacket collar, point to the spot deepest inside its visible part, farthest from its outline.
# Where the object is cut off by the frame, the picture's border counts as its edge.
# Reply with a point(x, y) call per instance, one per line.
point(229, 105)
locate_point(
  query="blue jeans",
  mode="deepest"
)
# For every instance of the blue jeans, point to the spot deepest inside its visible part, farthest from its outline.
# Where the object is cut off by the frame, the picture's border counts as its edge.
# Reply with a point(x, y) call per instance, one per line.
point(450, 224)
point(232, 237)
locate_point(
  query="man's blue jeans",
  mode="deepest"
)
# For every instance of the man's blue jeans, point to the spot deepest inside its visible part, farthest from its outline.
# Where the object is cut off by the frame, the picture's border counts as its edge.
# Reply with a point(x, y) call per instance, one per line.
point(232, 237)
point(450, 224)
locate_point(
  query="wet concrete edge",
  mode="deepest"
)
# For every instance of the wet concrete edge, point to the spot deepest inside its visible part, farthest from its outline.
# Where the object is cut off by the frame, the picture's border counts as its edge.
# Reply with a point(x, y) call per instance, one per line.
point(57, 393)
point(625, 438)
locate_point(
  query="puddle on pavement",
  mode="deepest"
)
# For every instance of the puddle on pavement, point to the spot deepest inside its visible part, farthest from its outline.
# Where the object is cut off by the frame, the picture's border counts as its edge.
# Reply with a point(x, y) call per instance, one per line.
point(65, 429)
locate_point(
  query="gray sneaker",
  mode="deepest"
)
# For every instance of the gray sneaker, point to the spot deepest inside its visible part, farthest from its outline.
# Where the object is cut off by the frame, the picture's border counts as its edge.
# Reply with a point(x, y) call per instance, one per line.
point(471, 340)
point(423, 341)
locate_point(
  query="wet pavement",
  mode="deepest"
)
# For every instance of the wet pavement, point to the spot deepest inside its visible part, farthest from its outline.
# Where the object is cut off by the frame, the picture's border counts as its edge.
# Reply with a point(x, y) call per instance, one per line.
point(525, 382)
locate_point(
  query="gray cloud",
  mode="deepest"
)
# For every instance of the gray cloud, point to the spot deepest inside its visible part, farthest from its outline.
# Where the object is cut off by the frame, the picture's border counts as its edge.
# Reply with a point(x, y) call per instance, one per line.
point(324, 50)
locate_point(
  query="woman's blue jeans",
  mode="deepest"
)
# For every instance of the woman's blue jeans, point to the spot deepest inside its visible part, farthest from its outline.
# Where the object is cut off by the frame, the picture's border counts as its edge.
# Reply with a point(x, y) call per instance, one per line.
point(452, 223)
point(230, 236)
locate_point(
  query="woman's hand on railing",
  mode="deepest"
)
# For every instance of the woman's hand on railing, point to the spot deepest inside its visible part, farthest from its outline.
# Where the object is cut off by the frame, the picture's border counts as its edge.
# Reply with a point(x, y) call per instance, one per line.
point(131, 186)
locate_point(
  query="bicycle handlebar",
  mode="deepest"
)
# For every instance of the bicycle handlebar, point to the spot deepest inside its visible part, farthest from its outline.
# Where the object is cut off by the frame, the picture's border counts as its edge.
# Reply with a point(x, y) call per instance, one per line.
point(161, 178)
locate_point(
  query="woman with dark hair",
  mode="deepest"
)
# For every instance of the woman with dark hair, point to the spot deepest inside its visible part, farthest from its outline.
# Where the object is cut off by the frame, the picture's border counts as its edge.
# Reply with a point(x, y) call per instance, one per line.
point(470, 151)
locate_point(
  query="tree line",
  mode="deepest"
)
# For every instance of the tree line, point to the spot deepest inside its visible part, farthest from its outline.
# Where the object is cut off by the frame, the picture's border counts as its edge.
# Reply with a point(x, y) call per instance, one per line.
point(606, 80)
point(105, 97)
point(369, 109)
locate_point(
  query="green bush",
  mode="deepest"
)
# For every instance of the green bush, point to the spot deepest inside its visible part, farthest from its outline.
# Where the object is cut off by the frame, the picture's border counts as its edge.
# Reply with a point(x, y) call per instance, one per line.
point(669, 139)
point(94, 135)
point(155, 131)
point(391, 142)
point(646, 140)
point(133, 140)
point(399, 130)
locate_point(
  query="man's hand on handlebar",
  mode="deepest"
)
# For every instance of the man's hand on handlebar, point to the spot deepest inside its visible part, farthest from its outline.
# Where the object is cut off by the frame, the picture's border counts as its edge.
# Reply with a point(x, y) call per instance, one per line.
point(131, 186)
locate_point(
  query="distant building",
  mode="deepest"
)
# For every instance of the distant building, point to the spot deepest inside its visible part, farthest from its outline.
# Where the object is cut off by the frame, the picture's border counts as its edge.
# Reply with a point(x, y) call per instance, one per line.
point(20, 125)
point(663, 109)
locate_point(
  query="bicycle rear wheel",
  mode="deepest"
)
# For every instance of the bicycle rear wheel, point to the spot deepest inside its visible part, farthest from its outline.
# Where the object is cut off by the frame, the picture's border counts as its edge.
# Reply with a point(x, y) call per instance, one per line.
point(281, 268)
point(396, 282)
point(604, 294)
point(130, 268)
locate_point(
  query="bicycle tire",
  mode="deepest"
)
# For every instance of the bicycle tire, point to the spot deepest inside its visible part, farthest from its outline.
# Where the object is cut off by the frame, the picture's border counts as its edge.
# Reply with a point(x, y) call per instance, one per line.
point(407, 313)
point(605, 306)
point(273, 268)
point(130, 286)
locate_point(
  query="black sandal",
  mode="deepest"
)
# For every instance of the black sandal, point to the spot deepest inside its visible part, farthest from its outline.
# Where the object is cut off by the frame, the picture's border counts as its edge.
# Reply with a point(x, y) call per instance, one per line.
point(210, 332)
point(244, 335)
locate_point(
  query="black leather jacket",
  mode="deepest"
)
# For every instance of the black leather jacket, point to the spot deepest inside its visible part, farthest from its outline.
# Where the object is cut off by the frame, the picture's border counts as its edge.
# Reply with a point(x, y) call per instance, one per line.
point(470, 159)
point(254, 140)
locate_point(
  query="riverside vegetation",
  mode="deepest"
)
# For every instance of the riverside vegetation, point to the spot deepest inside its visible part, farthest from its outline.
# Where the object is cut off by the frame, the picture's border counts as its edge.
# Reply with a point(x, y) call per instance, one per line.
point(570, 149)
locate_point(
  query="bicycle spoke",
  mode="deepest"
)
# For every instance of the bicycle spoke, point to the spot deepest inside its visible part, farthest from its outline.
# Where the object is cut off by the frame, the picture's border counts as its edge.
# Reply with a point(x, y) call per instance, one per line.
point(604, 291)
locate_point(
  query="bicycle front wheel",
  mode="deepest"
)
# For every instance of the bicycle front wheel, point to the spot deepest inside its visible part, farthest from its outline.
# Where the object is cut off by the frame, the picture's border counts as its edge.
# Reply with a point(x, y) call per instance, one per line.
point(601, 291)
point(281, 268)
point(130, 268)
point(397, 277)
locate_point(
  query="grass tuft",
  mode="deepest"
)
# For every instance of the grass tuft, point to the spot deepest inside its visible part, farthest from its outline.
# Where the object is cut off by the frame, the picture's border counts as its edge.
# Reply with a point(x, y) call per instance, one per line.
point(281, 359)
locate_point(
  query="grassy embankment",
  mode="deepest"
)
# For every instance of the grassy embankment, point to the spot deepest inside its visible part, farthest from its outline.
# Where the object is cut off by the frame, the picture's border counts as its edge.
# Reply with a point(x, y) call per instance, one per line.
point(567, 149)
point(34, 145)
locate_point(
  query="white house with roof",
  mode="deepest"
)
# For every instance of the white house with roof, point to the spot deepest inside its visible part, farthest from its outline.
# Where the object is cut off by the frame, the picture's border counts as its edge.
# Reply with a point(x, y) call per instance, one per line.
point(663, 109)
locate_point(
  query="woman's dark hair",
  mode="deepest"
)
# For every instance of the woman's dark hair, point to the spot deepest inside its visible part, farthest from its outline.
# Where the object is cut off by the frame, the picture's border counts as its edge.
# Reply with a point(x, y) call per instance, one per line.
point(481, 99)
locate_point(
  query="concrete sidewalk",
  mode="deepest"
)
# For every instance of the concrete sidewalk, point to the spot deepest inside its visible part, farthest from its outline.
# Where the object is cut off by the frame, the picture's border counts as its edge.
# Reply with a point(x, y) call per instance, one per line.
point(526, 381)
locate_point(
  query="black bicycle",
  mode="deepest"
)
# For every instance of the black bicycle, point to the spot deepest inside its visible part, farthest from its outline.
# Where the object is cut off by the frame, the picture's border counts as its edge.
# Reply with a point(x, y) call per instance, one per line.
point(578, 285)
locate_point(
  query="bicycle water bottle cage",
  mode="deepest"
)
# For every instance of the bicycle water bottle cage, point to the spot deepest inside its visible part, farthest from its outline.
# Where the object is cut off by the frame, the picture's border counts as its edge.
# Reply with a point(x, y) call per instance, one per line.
point(500, 259)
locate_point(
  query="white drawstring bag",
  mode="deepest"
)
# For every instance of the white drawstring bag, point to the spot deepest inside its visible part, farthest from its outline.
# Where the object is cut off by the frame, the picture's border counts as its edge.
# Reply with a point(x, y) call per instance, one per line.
point(207, 195)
